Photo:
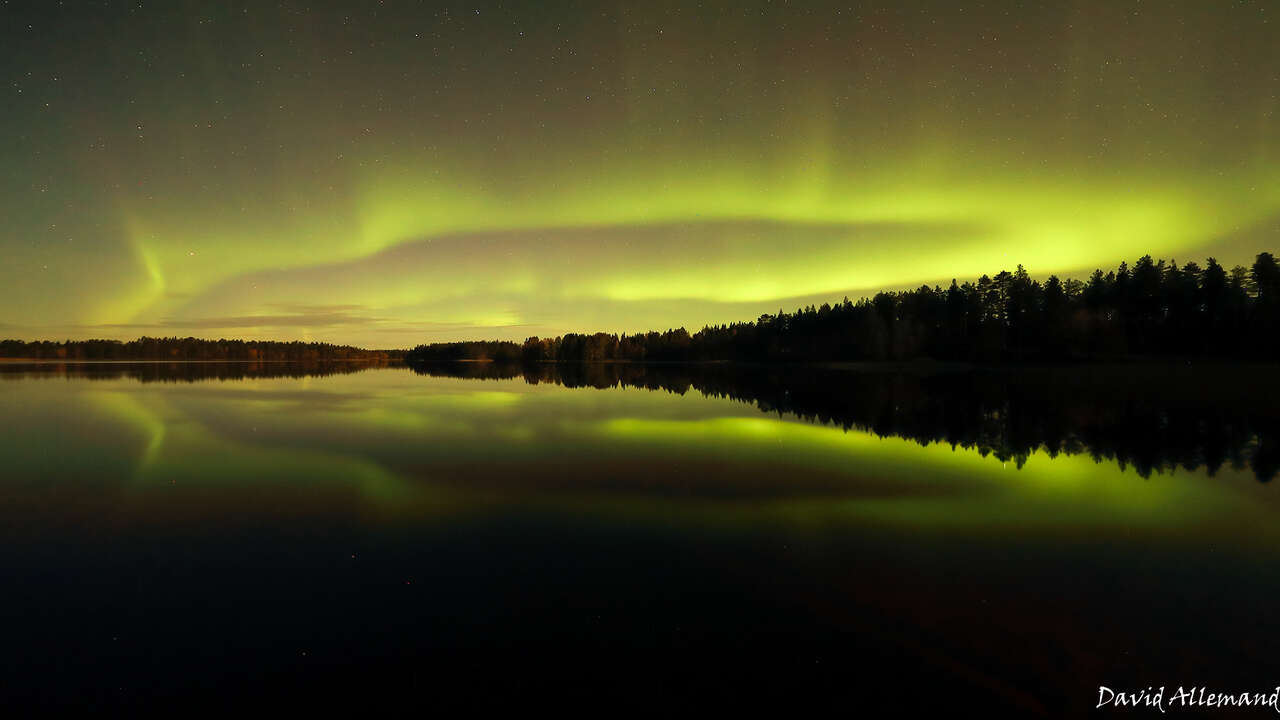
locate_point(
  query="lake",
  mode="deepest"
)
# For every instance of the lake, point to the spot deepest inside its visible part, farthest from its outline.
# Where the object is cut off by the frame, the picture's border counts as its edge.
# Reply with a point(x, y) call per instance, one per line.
point(894, 537)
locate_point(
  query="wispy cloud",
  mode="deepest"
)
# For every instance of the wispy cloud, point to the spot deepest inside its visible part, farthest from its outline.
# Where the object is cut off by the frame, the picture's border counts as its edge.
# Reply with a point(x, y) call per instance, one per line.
point(304, 309)
point(319, 317)
point(429, 328)
point(292, 320)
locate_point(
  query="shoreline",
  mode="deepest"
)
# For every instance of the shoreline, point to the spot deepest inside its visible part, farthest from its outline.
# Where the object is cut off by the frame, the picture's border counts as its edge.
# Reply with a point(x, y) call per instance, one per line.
point(921, 364)
point(32, 361)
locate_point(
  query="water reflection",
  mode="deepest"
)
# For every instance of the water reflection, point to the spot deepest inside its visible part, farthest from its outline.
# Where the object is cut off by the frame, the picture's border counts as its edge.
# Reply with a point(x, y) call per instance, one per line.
point(179, 372)
point(1155, 418)
point(950, 449)
point(877, 522)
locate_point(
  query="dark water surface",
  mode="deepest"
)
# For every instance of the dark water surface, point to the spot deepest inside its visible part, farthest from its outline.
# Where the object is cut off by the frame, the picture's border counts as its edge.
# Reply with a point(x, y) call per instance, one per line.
point(990, 540)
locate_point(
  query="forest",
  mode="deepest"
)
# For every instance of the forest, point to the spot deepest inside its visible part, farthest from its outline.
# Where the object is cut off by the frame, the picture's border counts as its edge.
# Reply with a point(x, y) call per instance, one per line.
point(189, 348)
point(1153, 308)
point(184, 372)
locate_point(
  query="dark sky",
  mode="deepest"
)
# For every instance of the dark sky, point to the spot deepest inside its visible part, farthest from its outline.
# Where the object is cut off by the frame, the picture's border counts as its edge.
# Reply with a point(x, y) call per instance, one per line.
point(388, 173)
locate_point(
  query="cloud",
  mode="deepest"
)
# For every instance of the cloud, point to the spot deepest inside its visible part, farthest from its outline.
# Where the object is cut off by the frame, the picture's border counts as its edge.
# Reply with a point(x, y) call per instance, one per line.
point(294, 320)
point(323, 318)
point(307, 309)
point(550, 280)
point(455, 329)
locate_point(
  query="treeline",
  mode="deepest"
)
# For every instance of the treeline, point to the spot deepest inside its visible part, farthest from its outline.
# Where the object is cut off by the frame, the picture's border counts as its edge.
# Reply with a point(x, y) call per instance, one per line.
point(480, 350)
point(1156, 418)
point(180, 371)
point(1154, 308)
point(189, 348)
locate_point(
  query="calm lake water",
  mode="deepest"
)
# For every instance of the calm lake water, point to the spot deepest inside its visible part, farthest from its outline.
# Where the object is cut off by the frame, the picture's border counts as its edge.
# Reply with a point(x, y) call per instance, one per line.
point(957, 539)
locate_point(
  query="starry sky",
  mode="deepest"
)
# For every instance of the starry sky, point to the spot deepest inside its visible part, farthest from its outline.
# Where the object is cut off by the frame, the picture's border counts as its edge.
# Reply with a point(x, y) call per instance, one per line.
point(390, 173)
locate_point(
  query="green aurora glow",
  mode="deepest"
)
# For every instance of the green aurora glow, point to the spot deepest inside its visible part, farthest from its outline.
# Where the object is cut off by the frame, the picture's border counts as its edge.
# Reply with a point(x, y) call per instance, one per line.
point(391, 174)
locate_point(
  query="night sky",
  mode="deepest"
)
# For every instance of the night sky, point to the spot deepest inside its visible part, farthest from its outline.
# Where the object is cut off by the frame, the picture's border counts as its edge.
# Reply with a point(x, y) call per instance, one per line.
point(390, 173)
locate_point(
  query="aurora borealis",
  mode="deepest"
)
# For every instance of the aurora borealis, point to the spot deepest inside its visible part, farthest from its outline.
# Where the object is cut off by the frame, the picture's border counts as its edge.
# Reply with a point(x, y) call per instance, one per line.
point(391, 173)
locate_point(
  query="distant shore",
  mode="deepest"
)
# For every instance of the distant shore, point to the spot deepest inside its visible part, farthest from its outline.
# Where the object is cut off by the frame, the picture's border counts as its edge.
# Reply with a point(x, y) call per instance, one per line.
point(914, 365)
point(153, 361)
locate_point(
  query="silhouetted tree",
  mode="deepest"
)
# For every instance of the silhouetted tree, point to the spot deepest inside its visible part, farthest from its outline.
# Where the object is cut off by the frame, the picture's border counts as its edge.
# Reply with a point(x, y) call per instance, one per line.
point(1155, 308)
point(189, 348)
point(1121, 413)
